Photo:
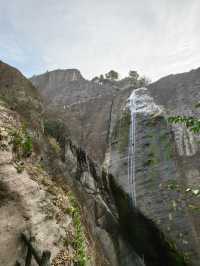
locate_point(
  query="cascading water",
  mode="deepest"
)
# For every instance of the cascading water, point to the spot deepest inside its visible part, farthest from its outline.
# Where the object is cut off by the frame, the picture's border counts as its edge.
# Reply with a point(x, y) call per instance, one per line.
point(131, 150)
point(138, 102)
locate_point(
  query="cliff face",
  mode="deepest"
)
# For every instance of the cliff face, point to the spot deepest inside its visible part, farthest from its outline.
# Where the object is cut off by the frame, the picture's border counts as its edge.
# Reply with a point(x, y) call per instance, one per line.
point(178, 94)
point(84, 106)
point(31, 203)
point(166, 157)
point(38, 174)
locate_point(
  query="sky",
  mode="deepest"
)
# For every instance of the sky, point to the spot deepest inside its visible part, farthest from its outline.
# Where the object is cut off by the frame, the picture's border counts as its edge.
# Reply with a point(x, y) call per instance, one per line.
point(154, 37)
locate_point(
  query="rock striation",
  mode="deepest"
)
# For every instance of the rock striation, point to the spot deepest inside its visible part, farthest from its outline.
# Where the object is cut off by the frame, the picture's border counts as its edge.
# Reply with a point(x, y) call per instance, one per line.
point(36, 190)
point(166, 157)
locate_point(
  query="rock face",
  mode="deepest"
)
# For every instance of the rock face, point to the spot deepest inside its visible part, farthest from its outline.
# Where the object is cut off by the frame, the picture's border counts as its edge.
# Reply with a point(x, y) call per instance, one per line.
point(84, 106)
point(178, 94)
point(165, 180)
point(30, 203)
point(117, 233)
point(166, 157)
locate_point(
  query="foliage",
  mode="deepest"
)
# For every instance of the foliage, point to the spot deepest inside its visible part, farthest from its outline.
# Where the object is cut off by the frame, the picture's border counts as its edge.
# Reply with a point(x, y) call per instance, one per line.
point(112, 75)
point(54, 145)
point(55, 129)
point(143, 81)
point(133, 77)
point(137, 80)
point(19, 167)
point(101, 78)
point(192, 123)
point(79, 238)
point(22, 143)
point(133, 74)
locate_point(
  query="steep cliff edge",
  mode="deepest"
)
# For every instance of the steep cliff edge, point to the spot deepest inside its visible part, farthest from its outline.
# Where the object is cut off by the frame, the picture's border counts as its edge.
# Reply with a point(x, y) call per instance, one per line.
point(164, 163)
point(166, 157)
point(40, 199)
point(31, 203)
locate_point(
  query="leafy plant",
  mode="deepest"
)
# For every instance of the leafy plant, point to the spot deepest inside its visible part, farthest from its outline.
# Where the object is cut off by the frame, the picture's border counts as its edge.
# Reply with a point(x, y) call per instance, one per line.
point(54, 145)
point(112, 75)
point(55, 129)
point(192, 123)
point(173, 185)
point(21, 141)
point(79, 238)
point(19, 167)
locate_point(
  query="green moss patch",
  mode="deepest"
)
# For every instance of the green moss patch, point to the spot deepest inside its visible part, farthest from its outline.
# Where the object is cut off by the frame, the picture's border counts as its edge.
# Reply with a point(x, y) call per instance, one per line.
point(21, 141)
point(79, 241)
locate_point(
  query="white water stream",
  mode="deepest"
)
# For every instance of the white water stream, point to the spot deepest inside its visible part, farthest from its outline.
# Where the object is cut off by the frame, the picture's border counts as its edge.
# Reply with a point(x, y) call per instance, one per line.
point(138, 102)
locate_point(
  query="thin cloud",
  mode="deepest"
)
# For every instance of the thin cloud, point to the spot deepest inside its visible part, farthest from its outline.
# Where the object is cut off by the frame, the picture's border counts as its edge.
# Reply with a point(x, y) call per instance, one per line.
point(155, 37)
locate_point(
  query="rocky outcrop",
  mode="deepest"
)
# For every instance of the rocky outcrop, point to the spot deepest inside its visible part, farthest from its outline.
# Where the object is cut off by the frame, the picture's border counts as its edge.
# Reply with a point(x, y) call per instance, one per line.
point(110, 220)
point(31, 203)
point(160, 188)
point(178, 94)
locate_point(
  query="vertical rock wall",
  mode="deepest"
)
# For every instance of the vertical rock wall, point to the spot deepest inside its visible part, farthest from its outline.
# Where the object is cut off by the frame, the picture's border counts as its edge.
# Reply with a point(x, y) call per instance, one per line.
point(162, 187)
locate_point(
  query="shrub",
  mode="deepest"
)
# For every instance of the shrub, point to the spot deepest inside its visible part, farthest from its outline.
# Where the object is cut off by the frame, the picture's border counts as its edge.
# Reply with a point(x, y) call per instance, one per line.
point(55, 145)
point(79, 243)
point(21, 141)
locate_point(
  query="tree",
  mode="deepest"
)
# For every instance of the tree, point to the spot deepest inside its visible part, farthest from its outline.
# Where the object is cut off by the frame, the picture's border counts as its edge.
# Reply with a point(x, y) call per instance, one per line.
point(143, 81)
point(137, 80)
point(95, 79)
point(55, 129)
point(112, 75)
point(101, 78)
point(133, 75)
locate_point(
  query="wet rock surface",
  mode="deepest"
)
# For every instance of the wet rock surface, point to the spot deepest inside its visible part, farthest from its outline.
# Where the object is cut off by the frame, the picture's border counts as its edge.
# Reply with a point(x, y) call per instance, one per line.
point(161, 181)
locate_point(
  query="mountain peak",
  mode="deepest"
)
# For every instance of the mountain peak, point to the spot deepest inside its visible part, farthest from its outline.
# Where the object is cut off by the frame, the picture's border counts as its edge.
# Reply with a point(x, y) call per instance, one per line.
point(61, 75)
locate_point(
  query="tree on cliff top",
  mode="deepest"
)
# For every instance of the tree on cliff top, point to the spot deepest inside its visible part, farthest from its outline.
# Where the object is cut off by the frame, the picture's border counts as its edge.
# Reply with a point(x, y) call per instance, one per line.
point(133, 75)
point(112, 75)
point(138, 81)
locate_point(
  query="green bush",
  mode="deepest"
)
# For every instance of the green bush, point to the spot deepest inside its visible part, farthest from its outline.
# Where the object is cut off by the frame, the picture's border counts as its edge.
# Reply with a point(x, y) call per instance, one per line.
point(22, 143)
point(79, 243)
point(55, 129)
point(192, 123)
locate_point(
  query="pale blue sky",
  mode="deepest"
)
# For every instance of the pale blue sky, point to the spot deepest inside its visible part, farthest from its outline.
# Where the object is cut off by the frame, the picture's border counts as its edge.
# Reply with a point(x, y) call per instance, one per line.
point(155, 37)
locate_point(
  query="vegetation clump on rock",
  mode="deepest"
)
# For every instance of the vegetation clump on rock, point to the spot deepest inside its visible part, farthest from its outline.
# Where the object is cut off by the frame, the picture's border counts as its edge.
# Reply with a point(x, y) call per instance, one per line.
point(21, 141)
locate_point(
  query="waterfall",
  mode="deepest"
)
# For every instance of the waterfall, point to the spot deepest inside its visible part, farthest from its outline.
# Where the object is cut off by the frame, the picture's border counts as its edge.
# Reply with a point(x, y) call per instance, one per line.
point(131, 150)
point(138, 102)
